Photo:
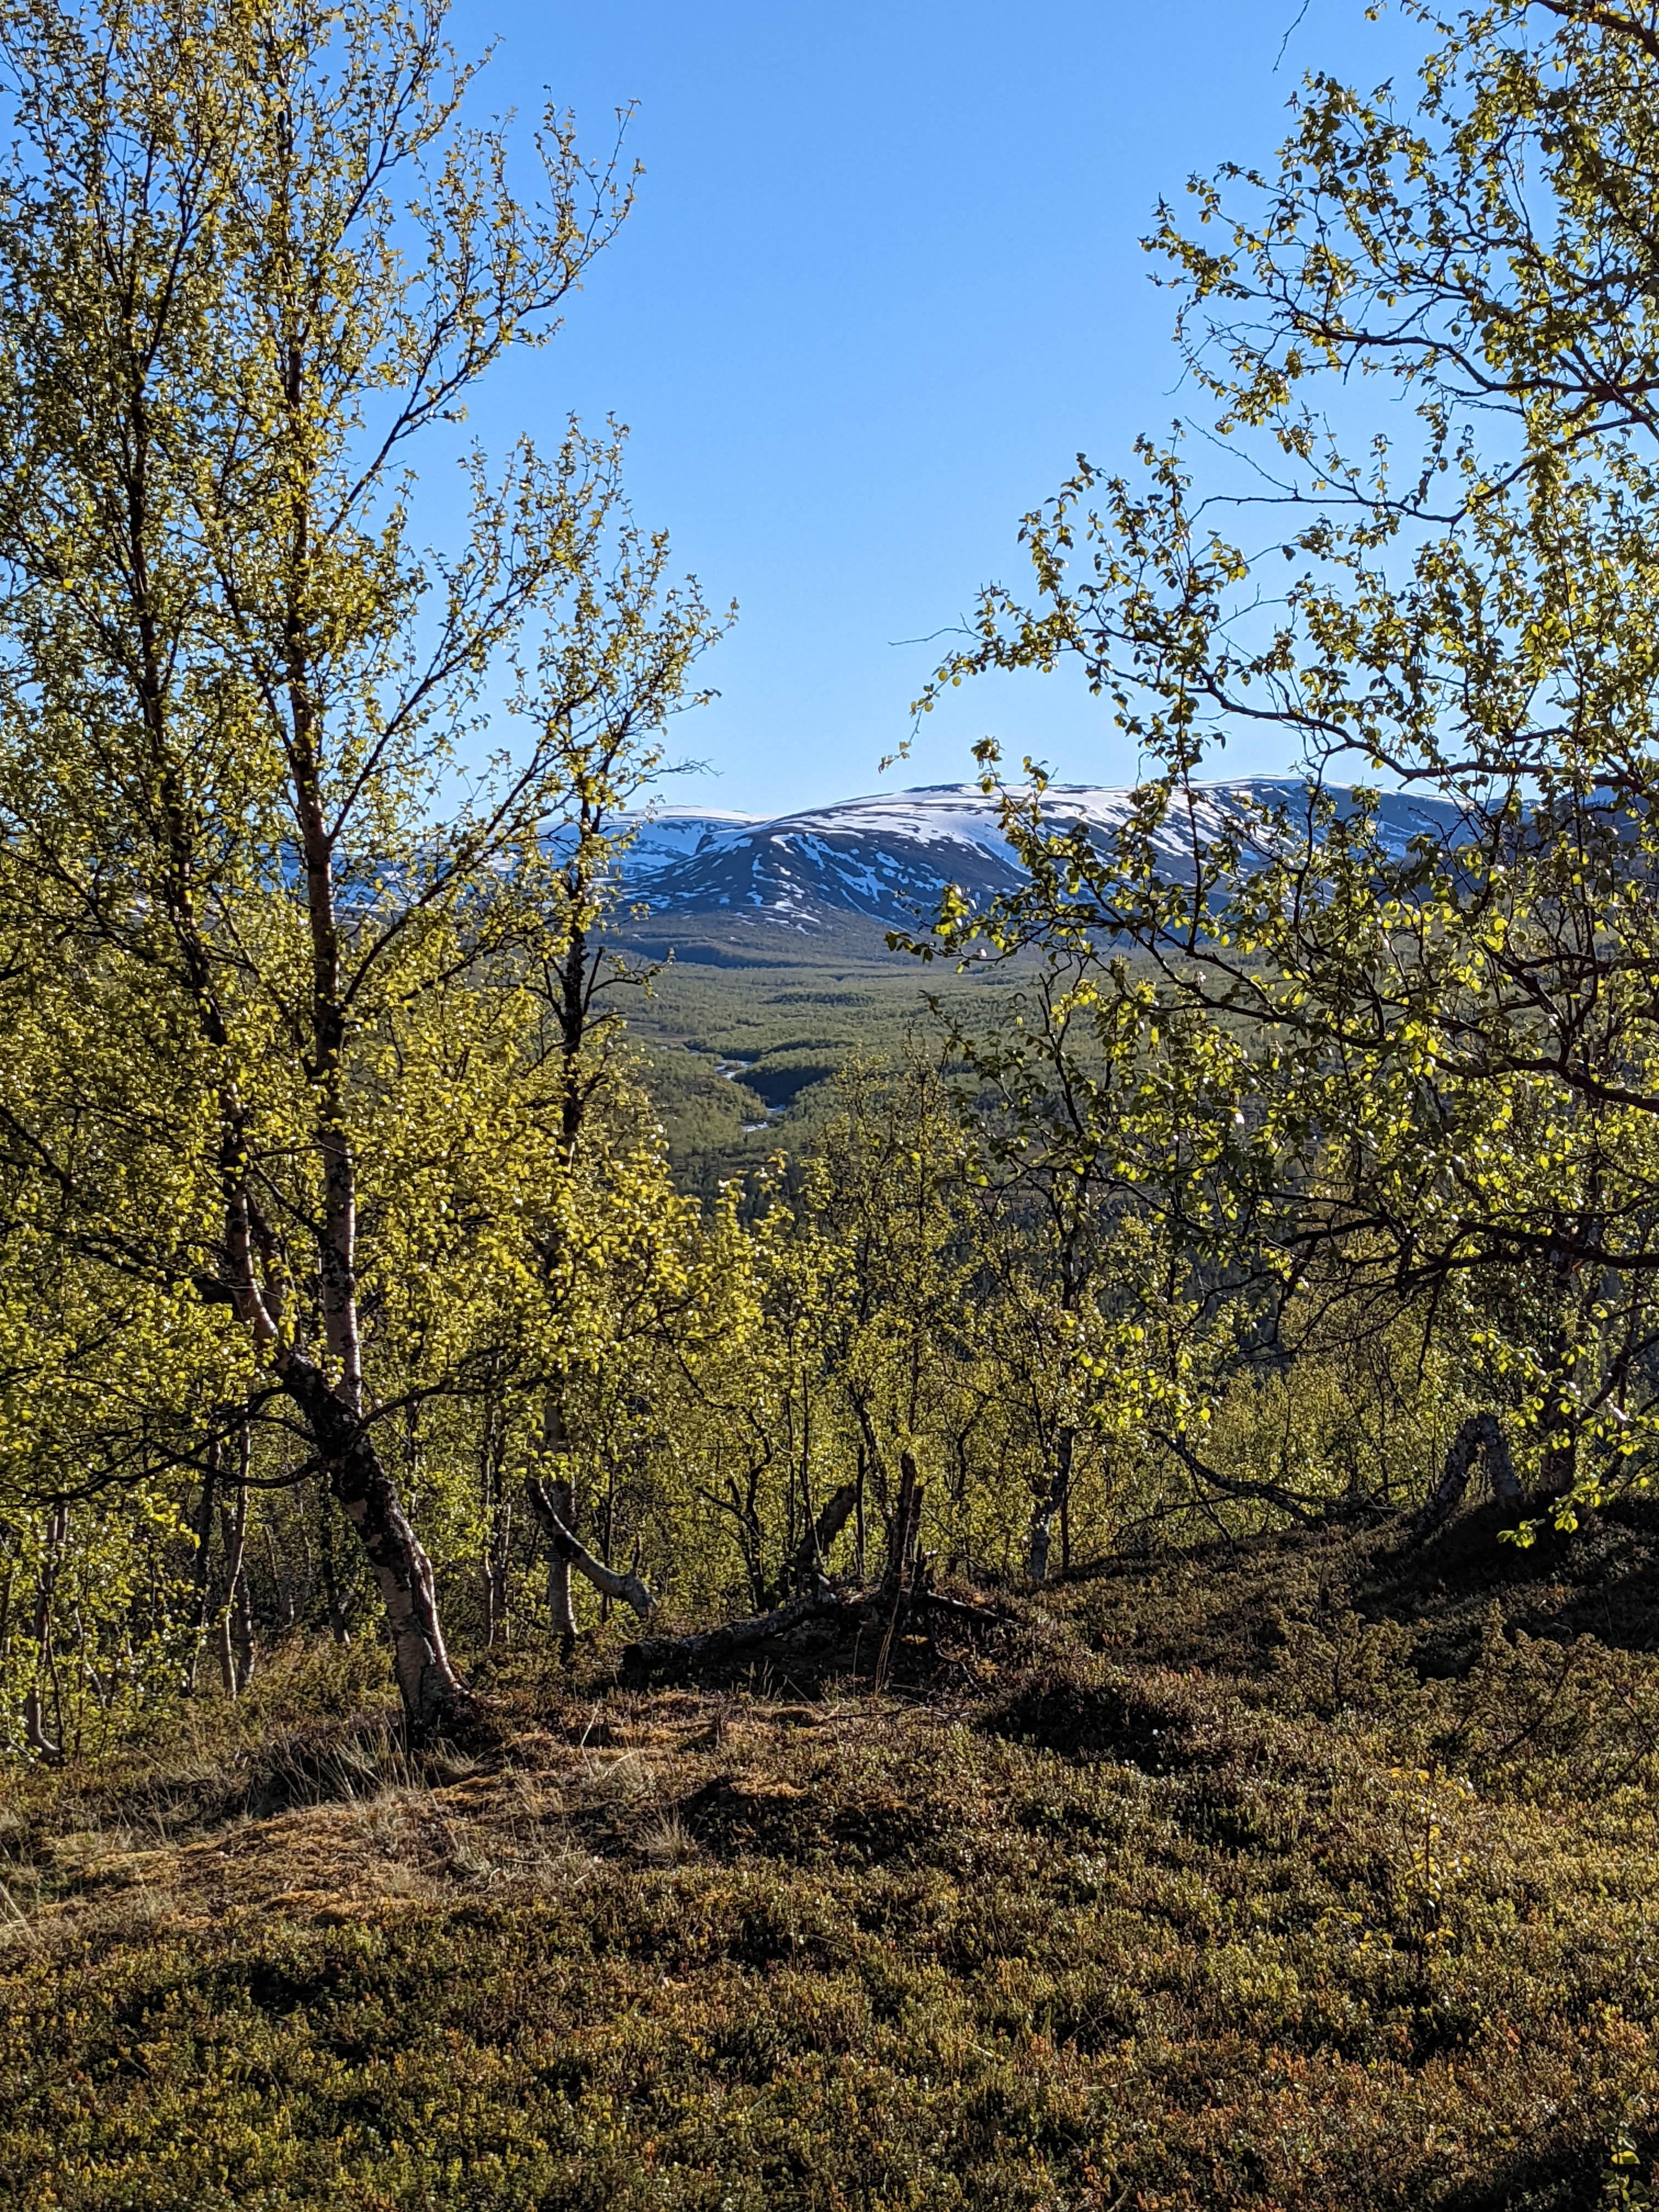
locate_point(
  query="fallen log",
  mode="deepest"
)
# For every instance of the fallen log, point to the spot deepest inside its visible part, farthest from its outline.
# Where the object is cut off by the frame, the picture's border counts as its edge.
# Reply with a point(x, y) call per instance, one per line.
point(1268, 1493)
point(654, 1655)
point(958, 1609)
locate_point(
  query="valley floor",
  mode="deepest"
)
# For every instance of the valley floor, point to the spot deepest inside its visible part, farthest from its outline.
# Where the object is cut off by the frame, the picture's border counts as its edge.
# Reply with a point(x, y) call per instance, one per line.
point(1302, 1876)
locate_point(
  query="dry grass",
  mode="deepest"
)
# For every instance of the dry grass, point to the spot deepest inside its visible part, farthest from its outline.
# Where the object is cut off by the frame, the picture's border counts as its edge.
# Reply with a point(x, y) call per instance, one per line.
point(1312, 1925)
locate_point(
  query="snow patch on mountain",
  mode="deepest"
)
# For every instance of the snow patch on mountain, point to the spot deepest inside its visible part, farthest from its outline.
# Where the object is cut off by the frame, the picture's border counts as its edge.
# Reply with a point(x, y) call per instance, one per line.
point(890, 854)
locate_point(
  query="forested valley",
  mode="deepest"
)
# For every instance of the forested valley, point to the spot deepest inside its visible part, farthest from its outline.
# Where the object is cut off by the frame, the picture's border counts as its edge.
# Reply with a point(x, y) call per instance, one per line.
point(1076, 1625)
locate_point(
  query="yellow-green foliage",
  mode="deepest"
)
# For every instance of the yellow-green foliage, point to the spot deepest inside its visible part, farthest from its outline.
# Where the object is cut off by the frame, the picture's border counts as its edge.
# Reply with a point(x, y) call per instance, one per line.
point(722, 1371)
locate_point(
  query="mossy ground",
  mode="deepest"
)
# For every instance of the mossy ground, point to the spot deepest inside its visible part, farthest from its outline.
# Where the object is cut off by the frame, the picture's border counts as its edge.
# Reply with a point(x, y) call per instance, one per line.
point(1301, 1875)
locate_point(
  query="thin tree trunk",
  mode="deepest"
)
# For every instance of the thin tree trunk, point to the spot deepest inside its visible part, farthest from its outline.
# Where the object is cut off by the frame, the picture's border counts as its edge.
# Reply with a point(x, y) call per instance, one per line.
point(876, 1466)
point(751, 1535)
point(204, 1576)
point(610, 1540)
point(858, 1518)
point(433, 1693)
point(902, 1527)
point(561, 1604)
point(45, 1583)
point(900, 1577)
point(814, 1549)
point(284, 1594)
point(337, 1626)
point(235, 1619)
point(1559, 1466)
point(1479, 1437)
point(236, 1622)
point(501, 1555)
point(1043, 1520)
point(498, 1528)
point(807, 1513)
point(227, 1655)
point(567, 1546)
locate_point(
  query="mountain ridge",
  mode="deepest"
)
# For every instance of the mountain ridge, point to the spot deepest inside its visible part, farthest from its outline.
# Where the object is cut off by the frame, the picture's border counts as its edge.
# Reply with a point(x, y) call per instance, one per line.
point(890, 855)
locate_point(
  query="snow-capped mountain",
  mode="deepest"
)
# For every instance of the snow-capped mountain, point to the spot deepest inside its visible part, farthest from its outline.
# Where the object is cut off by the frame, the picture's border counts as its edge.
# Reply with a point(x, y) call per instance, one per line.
point(890, 856)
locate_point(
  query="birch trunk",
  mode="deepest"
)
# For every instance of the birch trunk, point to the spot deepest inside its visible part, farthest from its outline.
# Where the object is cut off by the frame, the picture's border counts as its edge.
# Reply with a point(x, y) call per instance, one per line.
point(498, 1529)
point(34, 1716)
point(567, 1546)
point(561, 1604)
point(907, 1523)
point(433, 1693)
point(204, 1574)
point(1055, 1501)
point(236, 1614)
point(1479, 1437)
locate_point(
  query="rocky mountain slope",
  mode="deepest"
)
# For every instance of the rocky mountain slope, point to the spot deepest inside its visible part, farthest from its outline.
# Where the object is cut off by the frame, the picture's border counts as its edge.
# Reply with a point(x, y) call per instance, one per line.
point(889, 856)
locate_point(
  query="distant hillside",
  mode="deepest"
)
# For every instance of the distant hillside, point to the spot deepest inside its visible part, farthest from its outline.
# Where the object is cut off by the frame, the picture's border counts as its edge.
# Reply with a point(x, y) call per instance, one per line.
point(890, 856)
point(774, 936)
point(744, 1021)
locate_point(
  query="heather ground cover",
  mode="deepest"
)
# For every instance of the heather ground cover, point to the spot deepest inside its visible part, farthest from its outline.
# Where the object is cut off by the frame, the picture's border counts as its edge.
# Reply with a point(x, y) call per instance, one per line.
point(1211, 1884)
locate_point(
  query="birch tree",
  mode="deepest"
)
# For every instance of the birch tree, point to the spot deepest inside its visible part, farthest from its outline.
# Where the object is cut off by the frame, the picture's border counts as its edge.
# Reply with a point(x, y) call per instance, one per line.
point(1451, 1091)
point(255, 262)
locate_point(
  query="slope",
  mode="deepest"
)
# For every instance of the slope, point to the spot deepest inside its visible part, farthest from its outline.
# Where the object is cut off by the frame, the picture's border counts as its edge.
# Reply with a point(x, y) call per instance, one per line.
point(888, 857)
point(1235, 1884)
point(742, 1022)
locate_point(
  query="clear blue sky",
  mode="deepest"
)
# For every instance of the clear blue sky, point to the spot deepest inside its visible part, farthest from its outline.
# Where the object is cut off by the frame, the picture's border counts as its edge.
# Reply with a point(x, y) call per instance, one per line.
point(882, 283)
